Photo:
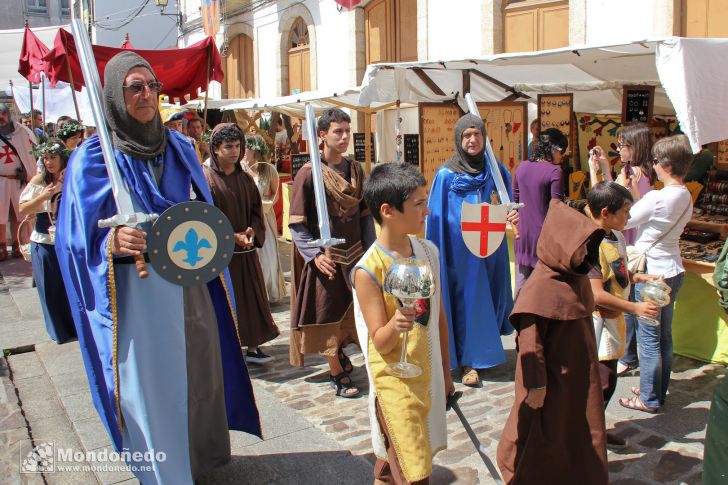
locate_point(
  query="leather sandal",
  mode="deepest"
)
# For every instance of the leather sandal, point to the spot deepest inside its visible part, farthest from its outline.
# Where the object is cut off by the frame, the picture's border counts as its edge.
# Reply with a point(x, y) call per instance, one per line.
point(344, 361)
point(16, 251)
point(3, 252)
point(637, 404)
point(343, 389)
point(470, 377)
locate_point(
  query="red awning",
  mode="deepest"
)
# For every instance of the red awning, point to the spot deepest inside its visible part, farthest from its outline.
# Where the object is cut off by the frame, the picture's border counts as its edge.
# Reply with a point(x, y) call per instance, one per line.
point(32, 55)
point(181, 71)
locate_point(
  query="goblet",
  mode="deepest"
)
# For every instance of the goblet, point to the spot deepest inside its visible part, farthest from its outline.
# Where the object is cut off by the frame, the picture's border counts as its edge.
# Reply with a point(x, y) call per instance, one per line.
point(408, 280)
point(658, 292)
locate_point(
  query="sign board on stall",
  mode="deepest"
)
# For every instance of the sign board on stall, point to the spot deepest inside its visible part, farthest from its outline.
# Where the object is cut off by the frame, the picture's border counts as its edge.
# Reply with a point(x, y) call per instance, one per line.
point(437, 122)
point(557, 111)
point(412, 149)
point(506, 126)
point(298, 161)
point(637, 102)
point(360, 148)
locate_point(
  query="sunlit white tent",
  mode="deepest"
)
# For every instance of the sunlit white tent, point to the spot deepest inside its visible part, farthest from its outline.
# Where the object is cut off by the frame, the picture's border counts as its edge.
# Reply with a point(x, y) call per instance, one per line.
point(688, 76)
point(294, 104)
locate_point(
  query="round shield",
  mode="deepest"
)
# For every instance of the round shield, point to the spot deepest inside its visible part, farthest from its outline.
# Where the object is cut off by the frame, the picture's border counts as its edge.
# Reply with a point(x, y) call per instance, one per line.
point(191, 243)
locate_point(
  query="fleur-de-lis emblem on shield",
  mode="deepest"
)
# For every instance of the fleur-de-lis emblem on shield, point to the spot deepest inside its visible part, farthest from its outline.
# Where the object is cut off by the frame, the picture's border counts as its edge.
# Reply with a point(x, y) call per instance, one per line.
point(192, 245)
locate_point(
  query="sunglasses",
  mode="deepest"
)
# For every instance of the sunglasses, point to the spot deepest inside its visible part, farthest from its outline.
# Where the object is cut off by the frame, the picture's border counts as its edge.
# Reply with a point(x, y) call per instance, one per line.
point(138, 86)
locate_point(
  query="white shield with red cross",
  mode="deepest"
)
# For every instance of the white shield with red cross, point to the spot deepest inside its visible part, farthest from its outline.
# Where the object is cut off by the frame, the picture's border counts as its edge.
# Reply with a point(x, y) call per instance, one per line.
point(483, 226)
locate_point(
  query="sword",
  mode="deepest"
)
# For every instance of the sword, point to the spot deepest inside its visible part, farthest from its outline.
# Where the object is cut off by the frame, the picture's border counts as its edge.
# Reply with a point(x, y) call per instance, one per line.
point(322, 211)
point(125, 216)
point(500, 186)
point(452, 402)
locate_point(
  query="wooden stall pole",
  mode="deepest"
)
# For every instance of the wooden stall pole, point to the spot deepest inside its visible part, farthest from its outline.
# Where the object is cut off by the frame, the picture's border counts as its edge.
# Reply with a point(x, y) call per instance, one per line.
point(32, 117)
point(207, 87)
point(73, 90)
point(42, 95)
point(367, 142)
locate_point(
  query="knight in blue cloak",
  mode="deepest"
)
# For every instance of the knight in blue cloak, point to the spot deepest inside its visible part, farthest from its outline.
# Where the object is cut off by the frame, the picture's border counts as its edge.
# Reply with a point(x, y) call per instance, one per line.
point(164, 362)
point(476, 292)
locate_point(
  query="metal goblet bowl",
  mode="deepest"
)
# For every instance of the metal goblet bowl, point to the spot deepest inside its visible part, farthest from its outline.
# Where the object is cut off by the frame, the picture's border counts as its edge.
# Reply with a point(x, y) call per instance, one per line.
point(409, 280)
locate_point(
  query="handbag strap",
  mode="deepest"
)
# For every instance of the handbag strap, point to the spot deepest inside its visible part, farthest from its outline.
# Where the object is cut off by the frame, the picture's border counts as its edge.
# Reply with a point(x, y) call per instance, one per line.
point(673, 226)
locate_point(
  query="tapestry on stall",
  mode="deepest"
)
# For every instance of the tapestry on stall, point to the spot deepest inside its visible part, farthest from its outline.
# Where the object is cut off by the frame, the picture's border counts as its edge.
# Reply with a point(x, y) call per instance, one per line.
point(597, 130)
point(601, 130)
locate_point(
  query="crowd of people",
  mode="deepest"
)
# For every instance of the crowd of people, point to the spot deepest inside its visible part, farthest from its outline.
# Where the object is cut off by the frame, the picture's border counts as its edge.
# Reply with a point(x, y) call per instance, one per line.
point(173, 377)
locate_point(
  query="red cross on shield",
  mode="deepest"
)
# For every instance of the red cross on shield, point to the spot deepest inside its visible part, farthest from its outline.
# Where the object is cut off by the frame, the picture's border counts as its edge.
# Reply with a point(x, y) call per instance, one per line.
point(483, 226)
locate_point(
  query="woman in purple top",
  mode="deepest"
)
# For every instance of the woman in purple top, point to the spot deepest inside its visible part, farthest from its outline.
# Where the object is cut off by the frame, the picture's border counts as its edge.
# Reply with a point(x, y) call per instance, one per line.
point(535, 183)
point(634, 142)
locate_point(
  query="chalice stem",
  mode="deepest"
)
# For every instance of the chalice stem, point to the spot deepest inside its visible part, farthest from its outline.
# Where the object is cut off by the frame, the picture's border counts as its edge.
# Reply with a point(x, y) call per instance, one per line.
point(404, 347)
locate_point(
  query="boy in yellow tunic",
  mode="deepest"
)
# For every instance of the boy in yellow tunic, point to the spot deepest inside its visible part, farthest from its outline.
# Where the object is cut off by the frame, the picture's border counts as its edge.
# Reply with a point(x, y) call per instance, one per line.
point(407, 415)
point(609, 204)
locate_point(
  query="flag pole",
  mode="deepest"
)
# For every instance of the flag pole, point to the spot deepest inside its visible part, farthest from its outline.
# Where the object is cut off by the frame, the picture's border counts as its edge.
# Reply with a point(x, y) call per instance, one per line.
point(43, 103)
point(73, 89)
point(32, 117)
point(207, 86)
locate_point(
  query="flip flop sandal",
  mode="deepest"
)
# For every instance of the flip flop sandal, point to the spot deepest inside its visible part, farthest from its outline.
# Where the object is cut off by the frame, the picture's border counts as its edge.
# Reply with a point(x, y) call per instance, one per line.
point(345, 361)
point(636, 404)
point(342, 388)
point(626, 370)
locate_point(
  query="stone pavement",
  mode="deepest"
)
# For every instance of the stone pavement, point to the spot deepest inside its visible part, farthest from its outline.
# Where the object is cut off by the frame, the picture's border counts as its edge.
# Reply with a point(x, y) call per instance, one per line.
point(310, 435)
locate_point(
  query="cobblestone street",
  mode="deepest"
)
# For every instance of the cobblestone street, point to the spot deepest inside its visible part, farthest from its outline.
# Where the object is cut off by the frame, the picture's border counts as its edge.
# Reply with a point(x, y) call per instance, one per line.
point(44, 394)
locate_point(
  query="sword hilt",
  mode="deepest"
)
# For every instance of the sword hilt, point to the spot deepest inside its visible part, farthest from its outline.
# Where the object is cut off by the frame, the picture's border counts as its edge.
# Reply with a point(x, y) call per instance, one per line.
point(452, 399)
point(326, 243)
point(514, 227)
point(132, 220)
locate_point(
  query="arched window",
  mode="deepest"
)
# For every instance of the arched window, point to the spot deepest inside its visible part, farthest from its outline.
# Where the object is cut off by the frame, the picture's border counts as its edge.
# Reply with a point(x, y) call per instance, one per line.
point(391, 31)
point(240, 68)
point(299, 58)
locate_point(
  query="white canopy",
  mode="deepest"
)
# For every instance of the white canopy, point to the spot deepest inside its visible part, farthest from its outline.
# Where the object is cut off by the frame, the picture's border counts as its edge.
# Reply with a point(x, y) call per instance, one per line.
point(694, 74)
point(690, 82)
point(595, 74)
point(688, 74)
point(294, 104)
point(58, 102)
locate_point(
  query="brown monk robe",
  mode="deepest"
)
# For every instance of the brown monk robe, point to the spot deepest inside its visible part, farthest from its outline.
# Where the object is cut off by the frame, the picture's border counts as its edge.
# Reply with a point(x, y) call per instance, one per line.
point(238, 197)
point(322, 309)
point(563, 442)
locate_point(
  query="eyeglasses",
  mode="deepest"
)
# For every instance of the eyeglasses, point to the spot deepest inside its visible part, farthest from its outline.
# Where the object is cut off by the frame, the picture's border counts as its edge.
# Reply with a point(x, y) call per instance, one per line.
point(622, 145)
point(138, 86)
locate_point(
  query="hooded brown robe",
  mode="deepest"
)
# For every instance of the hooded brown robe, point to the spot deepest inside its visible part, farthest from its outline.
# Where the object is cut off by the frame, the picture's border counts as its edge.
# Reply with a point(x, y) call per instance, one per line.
point(564, 442)
point(322, 309)
point(238, 197)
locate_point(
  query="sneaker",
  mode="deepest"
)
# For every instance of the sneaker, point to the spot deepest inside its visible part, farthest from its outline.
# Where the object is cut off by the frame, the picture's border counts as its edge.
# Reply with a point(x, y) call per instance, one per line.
point(614, 442)
point(257, 357)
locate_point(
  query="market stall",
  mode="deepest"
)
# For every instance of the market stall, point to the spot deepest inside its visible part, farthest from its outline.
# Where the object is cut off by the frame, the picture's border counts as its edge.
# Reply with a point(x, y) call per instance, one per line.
point(602, 86)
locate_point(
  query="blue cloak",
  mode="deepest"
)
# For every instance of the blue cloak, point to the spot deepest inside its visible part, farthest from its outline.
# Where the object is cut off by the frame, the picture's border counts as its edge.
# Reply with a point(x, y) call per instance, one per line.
point(476, 292)
point(81, 247)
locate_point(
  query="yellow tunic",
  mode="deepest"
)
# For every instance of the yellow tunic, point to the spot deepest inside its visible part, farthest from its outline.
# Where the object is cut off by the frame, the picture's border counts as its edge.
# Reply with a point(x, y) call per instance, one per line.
point(611, 333)
point(413, 408)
